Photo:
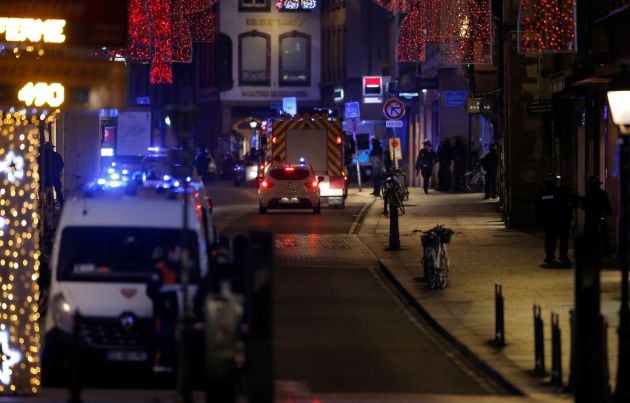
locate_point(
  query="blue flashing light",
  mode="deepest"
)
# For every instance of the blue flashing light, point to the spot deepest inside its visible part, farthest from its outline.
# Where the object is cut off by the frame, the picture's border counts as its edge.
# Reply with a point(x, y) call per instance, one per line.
point(167, 177)
point(114, 184)
point(101, 181)
point(176, 183)
point(302, 161)
point(125, 172)
point(188, 179)
point(110, 170)
point(154, 149)
point(115, 176)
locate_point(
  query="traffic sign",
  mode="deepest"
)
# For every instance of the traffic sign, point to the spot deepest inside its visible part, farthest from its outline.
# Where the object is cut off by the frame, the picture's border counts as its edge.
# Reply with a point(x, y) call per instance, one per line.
point(394, 123)
point(352, 110)
point(395, 151)
point(394, 109)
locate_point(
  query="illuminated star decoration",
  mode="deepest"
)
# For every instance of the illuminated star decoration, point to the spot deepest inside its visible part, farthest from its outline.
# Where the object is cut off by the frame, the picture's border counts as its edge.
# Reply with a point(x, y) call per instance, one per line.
point(462, 27)
point(546, 26)
point(9, 358)
point(13, 166)
point(161, 32)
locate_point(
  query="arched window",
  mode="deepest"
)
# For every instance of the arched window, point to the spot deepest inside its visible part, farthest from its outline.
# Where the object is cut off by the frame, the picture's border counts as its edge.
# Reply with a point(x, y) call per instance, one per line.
point(295, 58)
point(254, 64)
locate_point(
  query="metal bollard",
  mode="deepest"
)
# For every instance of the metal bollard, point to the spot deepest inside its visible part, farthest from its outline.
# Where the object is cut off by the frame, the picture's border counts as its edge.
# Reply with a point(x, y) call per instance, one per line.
point(394, 236)
point(499, 324)
point(75, 362)
point(539, 343)
point(556, 351)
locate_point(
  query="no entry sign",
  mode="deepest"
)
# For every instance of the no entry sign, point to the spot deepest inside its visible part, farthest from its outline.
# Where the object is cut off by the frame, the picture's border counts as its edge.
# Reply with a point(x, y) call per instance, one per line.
point(394, 109)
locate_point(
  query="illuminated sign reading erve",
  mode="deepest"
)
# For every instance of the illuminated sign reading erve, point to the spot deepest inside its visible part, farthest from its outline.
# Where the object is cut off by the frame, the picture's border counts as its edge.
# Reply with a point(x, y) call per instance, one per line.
point(32, 30)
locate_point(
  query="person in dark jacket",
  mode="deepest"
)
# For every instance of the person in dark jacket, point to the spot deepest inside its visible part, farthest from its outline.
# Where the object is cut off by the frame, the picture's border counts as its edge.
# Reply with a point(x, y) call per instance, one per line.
point(162, 290)
point(597, 209)
point(376, 158)
point(554, 207)
point(51, 165)
point(424, 164)
point(445, 155)
point(459, 163)
point(568, 201)
point(202, 162)
point(490, 164)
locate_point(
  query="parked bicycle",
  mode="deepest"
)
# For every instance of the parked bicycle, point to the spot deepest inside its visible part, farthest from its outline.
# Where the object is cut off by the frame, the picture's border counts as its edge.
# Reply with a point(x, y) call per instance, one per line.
point(435, 256)
point(393, 192)
point(474, 180)
point(400, 174)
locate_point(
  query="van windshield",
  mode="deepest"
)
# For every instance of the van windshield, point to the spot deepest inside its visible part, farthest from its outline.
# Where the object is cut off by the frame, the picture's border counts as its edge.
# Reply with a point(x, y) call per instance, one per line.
point(120, 254)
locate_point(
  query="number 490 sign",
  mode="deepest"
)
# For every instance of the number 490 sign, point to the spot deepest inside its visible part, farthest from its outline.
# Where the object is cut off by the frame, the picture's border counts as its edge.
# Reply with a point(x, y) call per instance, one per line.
point(40, 94)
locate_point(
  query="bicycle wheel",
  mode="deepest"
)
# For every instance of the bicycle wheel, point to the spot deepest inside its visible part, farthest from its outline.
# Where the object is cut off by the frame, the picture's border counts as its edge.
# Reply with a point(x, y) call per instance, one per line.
point(475, 182)
point(429, 266)
point(399, 196)
point(442, 273)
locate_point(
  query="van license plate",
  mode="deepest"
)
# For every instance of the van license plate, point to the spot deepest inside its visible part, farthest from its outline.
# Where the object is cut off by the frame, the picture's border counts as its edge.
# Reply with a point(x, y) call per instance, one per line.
point(333, 201)
point(127, 356)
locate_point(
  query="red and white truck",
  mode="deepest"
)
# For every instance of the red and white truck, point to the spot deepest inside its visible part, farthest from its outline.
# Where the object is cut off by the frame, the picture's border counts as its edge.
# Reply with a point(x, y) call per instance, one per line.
point(315, 140)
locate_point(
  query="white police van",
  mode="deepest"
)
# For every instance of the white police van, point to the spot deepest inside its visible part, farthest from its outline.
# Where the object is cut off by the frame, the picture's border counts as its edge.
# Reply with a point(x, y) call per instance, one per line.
point(101, 261)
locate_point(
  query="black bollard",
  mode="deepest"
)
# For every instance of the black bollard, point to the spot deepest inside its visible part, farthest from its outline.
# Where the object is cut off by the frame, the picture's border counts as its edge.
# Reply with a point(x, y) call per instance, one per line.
point(394, 236)
point(259, 298)
point(570, 387)
point(75, 362)
point(590, 383)
point(499, 324)
point(539, 343)
point(556, 351)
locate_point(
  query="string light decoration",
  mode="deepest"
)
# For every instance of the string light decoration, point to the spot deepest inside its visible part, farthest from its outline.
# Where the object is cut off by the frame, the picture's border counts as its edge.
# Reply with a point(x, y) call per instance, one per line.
point(296, 4)
point(161, 32)
point(546, 26)
point(411, 45)
point(19, 252)
point(462, 26)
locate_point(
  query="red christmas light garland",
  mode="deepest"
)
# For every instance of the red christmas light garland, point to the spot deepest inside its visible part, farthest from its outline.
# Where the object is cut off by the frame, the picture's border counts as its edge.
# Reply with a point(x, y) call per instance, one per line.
point(547, 26)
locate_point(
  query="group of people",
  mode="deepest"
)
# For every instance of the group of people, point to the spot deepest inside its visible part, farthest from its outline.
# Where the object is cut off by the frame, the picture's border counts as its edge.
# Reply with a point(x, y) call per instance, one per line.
point(456, 155)
point(554, 208)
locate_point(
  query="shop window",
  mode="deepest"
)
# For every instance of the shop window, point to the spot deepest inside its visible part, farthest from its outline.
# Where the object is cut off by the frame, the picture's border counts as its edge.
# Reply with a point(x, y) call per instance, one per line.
point(295, 59)
point(254, 5)
point(254, 59)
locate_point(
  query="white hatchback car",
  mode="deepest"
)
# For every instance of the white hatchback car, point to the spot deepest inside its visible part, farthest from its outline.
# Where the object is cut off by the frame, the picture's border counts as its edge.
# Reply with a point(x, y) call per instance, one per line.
point(288, 187)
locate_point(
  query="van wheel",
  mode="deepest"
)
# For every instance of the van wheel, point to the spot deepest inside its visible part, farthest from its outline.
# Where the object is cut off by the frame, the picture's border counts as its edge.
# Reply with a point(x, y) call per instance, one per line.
point(262, 209)
point(317, 209)
point(53, 375)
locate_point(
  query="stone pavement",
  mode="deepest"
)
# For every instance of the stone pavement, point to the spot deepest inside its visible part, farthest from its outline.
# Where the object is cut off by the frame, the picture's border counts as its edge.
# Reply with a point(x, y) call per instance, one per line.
point(483, 252)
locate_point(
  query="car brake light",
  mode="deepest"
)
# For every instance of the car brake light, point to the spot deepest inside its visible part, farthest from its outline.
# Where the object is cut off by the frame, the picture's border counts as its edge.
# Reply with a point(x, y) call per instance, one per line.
point(289, 169)
point(338, 139)
point(312, 184)
point(266, 184)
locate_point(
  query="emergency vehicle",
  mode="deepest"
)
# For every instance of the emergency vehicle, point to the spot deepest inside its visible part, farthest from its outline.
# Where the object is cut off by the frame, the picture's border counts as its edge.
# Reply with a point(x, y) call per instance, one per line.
point(315, 140)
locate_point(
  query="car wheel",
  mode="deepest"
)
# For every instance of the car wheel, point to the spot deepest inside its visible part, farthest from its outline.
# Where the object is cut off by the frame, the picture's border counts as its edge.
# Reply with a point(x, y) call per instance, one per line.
point(262, 209)
point(317, 209)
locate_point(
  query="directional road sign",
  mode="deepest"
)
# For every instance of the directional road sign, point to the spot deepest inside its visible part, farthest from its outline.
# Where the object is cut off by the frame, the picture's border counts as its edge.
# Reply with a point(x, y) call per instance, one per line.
point(394, 109)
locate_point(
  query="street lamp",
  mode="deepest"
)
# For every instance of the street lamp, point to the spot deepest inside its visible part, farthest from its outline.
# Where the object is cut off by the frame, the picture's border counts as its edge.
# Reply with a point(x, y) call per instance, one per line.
point(619, 101)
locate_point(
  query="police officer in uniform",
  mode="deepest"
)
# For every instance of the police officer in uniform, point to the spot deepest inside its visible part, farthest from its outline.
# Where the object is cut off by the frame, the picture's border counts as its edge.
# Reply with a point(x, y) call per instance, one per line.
point(163, 292)
point(551, 210)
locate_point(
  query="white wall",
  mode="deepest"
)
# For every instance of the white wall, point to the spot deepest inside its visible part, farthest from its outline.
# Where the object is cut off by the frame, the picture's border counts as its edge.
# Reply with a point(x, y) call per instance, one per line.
point(274, 24)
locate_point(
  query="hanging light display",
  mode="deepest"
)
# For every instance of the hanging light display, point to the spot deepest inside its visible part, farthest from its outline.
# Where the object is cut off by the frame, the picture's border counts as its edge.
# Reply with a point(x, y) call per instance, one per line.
point(19, 251)
point(461, 26)
point(161, 32)
point(546, 26)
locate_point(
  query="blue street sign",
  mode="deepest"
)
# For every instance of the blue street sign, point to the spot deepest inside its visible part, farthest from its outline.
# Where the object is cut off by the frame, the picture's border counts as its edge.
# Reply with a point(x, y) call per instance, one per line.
point(455, 98)
point(352, 110)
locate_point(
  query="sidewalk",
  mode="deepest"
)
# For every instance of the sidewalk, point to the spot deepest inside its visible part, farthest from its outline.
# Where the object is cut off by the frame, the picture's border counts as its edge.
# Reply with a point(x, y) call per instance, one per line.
point(483, 253)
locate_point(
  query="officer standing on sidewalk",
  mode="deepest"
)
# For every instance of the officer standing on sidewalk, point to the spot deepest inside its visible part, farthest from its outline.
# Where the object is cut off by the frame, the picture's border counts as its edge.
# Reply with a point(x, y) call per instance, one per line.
point(553, 215)
point(597, 209)
point(424, 164)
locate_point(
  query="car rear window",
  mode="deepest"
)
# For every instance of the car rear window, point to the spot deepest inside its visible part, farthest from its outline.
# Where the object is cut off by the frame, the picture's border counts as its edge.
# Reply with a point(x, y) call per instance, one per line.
point(295, 174)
